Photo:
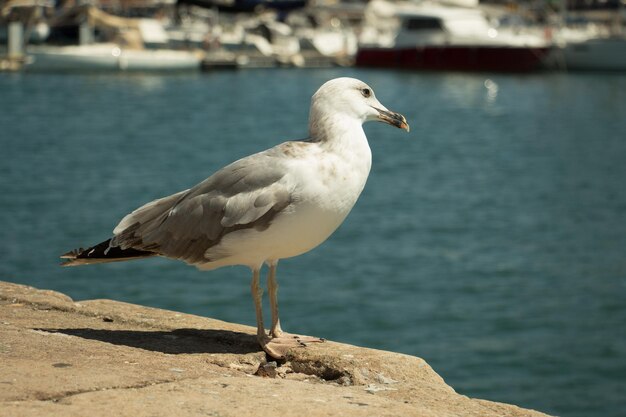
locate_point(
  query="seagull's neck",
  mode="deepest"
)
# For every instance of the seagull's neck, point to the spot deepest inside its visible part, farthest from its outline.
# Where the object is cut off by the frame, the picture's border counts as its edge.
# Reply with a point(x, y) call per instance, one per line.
point(343, 136)
point(334, 130)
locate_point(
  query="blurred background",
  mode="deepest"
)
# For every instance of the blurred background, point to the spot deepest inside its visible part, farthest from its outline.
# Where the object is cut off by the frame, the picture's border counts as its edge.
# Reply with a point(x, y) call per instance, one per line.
point(489, 241)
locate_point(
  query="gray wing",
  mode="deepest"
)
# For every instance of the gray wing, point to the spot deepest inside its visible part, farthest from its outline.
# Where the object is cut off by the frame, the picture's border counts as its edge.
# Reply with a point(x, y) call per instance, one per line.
point(245, 194)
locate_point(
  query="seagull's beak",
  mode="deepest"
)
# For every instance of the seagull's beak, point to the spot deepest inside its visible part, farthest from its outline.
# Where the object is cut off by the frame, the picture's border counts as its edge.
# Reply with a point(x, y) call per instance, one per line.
point(394, 119)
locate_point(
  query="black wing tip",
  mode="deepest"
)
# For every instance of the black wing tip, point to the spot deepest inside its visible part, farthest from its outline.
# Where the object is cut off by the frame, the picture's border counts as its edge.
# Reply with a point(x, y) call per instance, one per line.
point(73, 254)
point(70, 258)
point(102, 253)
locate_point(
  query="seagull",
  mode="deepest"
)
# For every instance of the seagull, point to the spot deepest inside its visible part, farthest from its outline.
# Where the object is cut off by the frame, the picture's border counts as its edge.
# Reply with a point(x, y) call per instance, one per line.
point(272, 205)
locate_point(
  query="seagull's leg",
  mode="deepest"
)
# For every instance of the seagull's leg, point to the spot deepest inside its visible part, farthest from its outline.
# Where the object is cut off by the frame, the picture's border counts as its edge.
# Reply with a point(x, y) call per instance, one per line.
point(281, 341)
point(272, 288)
point(257, 296)
point(270, 345)
point(273, 346)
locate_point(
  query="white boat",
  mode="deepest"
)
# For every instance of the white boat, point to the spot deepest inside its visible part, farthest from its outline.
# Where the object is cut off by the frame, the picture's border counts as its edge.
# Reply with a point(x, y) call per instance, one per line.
point(597, 54)
point(139, 45)
point(590, 49)
point(429, 36)
point(109, 57)
point(589, 42)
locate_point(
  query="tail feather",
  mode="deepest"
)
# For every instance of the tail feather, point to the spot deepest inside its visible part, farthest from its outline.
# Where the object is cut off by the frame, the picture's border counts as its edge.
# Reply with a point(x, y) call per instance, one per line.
point(101, 253)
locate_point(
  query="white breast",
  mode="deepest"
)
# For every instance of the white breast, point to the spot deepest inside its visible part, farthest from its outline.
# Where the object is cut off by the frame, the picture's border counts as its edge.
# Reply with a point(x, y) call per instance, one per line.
point(325, 185)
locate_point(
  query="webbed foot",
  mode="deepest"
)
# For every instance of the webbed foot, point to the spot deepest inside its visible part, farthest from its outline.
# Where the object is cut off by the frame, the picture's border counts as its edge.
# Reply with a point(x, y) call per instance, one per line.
point(278, 346)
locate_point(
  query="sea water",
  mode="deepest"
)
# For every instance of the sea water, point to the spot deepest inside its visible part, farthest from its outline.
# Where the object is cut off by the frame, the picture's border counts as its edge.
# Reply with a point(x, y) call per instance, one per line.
point(490, 240)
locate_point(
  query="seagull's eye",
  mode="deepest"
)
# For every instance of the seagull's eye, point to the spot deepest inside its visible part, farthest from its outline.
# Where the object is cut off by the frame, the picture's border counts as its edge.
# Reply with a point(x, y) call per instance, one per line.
point(366, 92)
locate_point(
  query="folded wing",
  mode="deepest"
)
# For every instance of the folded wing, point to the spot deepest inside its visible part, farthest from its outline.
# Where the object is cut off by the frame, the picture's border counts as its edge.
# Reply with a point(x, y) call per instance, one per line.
point(246, 194)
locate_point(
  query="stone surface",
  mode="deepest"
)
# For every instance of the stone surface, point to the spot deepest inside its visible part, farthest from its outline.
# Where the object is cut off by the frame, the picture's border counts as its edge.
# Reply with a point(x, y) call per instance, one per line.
point(101, 358)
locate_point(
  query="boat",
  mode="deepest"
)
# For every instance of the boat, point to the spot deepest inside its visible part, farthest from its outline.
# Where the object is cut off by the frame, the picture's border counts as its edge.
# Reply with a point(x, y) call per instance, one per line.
point(590, 48)
point(133, 45)
point(436, 37)
point(109, 57)
point(604, 53)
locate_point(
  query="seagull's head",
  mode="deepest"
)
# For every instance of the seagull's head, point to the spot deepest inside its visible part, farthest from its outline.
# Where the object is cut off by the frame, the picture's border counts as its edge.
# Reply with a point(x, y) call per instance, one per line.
point(355, 99)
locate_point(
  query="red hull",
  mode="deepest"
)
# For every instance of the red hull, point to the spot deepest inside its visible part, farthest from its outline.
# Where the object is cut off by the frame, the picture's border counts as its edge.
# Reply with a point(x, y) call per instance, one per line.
point(454, 58)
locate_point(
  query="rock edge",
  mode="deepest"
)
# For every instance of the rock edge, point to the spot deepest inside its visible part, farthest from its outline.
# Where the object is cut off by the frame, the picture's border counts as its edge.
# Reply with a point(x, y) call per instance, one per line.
point(59, 357)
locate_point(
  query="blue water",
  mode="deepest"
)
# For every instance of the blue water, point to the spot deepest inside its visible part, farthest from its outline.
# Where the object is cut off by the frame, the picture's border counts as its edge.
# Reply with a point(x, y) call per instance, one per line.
point(490, 241)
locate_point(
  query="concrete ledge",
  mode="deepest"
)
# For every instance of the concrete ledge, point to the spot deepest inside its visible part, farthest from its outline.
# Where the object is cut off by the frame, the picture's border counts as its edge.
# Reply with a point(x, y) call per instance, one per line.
point(59, 357)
